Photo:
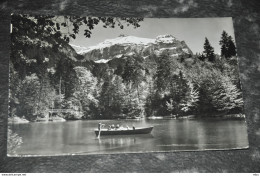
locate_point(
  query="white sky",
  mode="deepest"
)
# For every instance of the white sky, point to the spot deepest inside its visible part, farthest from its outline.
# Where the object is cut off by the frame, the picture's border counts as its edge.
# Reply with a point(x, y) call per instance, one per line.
point(192, 30)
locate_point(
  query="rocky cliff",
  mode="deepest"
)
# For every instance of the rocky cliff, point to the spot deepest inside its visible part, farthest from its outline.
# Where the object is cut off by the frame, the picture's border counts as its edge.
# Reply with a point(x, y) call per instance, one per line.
point(130, 45)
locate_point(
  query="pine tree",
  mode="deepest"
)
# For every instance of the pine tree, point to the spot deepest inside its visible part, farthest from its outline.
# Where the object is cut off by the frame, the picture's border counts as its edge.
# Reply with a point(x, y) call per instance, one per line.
point(190, 101)
point(228, 48)
point(163, 73)
point(170, 106)
point(225, 96)
point(133, 75)
point(233, 94)
point(65, 74)
point(224, 44)
point(150, 96)
point(231, 47)
point(118, 95)
point(208, 51)
point(201, 57)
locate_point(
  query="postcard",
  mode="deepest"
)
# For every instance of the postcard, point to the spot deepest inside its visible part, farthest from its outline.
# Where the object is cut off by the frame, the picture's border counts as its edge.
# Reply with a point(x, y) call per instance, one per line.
point(109, 85)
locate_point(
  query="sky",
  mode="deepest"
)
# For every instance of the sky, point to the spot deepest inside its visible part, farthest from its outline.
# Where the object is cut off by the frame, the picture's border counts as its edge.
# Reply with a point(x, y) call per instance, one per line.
point(191, 30)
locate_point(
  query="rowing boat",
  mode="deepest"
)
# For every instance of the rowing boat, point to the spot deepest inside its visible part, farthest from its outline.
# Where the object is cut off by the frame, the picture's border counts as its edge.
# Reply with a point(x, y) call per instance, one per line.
point(144, 130)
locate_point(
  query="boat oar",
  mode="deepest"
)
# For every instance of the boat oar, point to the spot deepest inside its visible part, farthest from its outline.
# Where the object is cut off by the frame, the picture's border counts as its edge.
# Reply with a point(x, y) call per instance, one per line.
point(99, 132)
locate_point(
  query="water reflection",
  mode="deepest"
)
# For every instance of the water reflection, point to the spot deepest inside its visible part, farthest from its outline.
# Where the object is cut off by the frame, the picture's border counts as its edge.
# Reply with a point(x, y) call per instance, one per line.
point(78, 137)
point(119, 140)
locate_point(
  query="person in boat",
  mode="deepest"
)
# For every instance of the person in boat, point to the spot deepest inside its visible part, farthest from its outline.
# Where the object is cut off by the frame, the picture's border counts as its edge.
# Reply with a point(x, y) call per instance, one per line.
point(133, 127)
point(117, 127)
point(100, 125)
point(112, 127)
point(109, 127)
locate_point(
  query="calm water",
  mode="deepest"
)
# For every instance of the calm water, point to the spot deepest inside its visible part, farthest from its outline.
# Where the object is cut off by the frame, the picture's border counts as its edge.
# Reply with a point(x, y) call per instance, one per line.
point(77, 137)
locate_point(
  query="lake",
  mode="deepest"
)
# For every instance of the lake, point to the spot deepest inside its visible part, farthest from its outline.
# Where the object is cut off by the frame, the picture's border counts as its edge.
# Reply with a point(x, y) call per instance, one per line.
point(78, 137)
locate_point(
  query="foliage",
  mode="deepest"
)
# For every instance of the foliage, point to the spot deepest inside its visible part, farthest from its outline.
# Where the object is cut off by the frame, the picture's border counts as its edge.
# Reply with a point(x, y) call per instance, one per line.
point(65, 75)
point(14, 89)
point(170, 106)
point(190, 101)
point(13, 142)
point(226, 96)
point(75, 109)
point(28, 96)
point(42, 63)
point(163, 73)
point(65, 27)
point(86, 91)
point(45, 73)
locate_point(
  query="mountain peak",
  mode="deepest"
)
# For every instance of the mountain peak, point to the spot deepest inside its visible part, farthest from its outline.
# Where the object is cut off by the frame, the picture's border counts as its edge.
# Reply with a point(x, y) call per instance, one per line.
point(128, 40)
point(78, 49)
point(121, 40)
point(127, 45)
point(124, 40)
point(167, 38)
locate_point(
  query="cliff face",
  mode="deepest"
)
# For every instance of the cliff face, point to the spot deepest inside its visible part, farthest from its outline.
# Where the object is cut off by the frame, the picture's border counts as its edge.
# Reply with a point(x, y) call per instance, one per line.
point(130, 45)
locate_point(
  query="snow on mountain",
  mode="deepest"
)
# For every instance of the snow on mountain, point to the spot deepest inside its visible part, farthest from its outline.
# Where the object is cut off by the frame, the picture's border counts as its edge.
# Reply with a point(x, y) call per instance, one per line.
point(79, 49)
point(165, 39)
point(102, 61)
point(115, 41)
point(129, 45)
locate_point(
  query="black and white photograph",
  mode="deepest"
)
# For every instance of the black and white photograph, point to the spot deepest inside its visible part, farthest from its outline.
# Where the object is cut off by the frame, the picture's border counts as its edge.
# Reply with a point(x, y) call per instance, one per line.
point(110, 85)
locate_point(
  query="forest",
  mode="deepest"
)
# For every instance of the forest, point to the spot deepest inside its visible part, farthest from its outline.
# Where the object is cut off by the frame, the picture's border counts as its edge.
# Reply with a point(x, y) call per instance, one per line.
point(46, 73)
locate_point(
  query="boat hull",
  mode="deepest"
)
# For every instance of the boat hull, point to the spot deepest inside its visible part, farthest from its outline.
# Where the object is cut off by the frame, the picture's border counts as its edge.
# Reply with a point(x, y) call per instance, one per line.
point(125, 132)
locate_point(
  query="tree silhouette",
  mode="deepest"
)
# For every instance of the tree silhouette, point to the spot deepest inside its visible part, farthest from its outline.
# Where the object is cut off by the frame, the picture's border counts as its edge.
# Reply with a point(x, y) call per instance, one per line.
point(228, 48)
point(224, 43)
point(65, 27)
point(231, 47)
point(208, 51)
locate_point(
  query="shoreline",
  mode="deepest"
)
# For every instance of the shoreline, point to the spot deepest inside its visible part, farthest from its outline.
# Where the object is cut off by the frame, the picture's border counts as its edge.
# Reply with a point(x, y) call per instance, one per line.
point(19, 120)
point(194, 117)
